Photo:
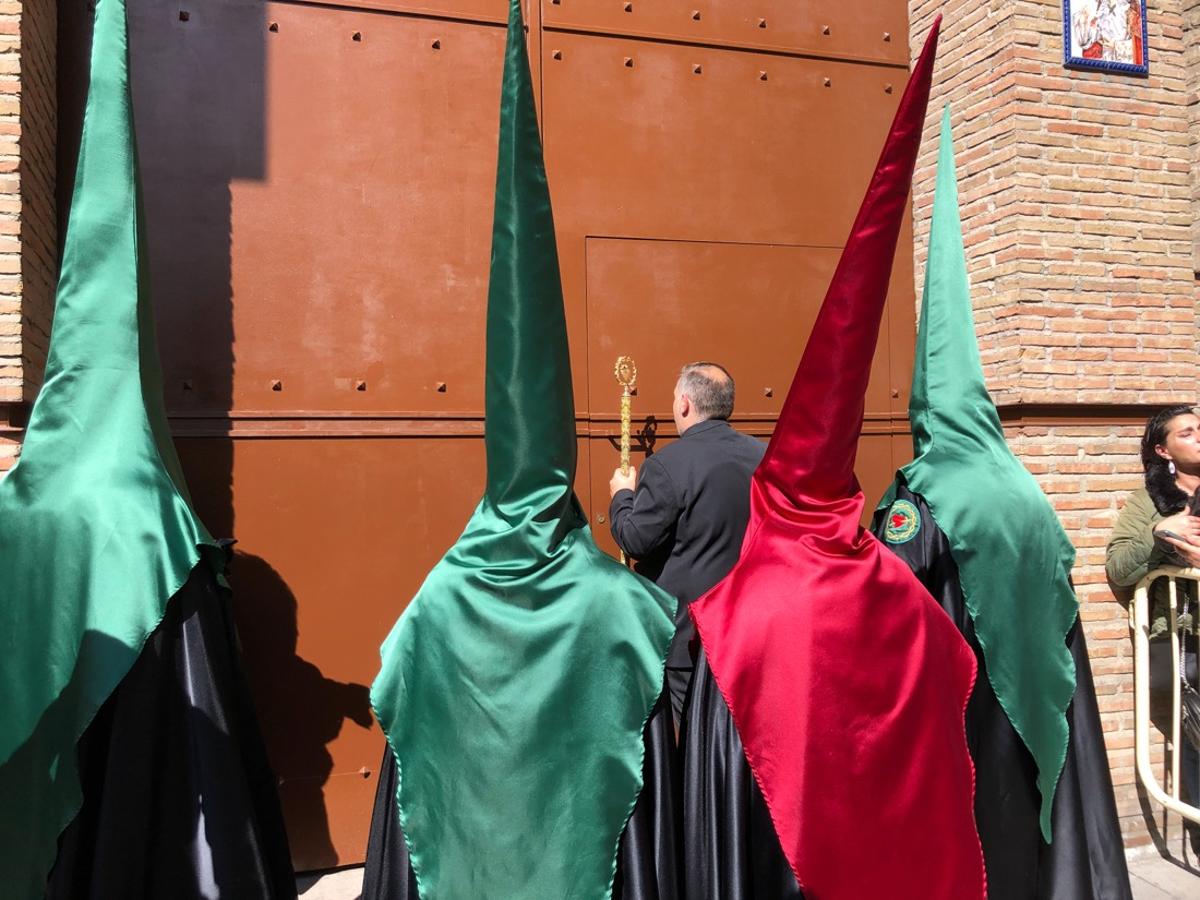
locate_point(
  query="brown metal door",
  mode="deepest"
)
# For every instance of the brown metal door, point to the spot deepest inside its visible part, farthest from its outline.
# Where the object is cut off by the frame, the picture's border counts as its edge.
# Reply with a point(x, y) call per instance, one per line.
point(318, 184)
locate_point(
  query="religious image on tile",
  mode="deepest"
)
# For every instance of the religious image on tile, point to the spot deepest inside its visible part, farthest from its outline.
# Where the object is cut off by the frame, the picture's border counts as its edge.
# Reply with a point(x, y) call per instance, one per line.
point(1107, 31)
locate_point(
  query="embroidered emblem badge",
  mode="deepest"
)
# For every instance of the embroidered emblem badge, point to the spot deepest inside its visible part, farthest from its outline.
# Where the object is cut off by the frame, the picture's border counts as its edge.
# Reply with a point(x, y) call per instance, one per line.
point(903, 522)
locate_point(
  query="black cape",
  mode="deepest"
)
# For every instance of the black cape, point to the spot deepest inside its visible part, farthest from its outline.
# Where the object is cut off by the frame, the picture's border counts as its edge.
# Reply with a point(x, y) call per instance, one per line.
point(179, 800)
point(1086, 860)
point(648, 865)
point(730, 848)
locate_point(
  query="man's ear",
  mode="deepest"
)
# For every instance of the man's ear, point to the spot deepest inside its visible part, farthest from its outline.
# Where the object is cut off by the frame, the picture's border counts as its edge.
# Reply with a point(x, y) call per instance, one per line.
point(685, 405)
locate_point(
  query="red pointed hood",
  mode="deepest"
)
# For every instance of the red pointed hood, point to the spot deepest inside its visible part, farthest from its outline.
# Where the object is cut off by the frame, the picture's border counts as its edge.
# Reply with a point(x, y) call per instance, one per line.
point(846, 681)
point(811, 456)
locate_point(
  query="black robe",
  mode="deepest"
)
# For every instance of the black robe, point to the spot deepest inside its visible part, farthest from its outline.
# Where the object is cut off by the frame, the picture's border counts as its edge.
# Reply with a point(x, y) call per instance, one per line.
point(179, 800)
point(730, 848)
point(647, 863)
point(1086, 859)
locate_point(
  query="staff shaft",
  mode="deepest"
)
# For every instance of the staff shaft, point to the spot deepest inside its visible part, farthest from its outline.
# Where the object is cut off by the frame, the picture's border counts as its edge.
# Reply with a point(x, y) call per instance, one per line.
point(626, 429)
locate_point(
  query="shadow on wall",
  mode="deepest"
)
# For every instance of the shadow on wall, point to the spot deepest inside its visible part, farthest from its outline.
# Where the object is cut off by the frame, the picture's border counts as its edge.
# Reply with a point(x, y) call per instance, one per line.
point(306, 710)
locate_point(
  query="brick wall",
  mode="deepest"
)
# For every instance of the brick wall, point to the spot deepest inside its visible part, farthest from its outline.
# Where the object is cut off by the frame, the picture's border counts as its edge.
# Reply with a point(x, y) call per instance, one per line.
point(28, 231)
point(1078, 206)
point(1190, 10)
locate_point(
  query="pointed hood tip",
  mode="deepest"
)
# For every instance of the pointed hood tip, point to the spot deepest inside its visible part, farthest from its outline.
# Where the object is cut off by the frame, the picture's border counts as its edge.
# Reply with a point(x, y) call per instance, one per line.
point(929, 50)
point(813, 451)
point(948, 386)
point(529, 432)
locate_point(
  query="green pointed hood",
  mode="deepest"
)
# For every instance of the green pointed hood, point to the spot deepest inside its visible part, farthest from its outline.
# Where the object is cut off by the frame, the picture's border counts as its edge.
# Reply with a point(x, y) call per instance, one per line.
point(1013, 557)
point(96, 529)
point(515, 687)
point(530, 407)
point(949, 397)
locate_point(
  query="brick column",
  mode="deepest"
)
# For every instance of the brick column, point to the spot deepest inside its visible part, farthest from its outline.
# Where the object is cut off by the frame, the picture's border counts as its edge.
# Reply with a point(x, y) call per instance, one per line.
point(28, 230)
point(1078, 207)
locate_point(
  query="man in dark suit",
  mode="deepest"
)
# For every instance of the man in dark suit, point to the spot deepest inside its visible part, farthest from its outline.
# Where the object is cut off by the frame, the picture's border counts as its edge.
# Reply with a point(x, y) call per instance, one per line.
point(684, 518)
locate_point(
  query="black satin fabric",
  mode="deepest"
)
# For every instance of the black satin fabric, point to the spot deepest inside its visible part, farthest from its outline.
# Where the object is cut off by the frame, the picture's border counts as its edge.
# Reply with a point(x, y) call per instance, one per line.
point(179, 799)
point(387, 873)
point(730, 848)
point(648, 866)
point(1086, 859)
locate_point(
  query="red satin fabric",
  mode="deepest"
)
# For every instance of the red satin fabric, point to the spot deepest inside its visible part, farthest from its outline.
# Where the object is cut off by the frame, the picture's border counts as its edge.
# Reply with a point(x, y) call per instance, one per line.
point(847, 683)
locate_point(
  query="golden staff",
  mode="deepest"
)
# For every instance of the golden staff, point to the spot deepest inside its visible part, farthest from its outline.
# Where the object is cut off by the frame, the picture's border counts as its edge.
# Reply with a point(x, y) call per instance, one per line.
point(626, 374)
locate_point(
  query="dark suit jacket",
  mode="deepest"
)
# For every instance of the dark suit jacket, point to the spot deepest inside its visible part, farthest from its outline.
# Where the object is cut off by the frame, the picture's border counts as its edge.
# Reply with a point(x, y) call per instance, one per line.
point(685, 522)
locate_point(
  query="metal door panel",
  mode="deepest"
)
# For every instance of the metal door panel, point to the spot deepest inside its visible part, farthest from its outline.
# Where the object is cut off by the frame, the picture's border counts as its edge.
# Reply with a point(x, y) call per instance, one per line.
point(358, 260)
point(749, 307)
point(334, 539)
point(853, 29)
point(656, 150)
point(491, 11)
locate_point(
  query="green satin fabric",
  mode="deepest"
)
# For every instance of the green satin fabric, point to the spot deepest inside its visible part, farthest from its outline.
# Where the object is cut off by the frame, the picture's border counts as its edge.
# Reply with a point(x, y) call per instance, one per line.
point(515, 687)
point(1013, 557)
point(96, 529)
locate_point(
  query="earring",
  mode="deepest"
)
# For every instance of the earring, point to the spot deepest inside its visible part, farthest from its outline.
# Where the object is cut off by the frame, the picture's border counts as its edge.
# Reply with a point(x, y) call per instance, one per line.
point(1171, 466)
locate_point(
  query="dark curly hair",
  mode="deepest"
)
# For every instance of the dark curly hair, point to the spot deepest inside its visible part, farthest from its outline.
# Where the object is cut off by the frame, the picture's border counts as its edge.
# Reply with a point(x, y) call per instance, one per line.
point(1160, 483)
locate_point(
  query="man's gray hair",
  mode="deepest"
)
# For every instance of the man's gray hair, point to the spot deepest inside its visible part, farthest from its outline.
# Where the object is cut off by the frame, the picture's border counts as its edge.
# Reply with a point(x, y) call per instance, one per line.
point(710, 388)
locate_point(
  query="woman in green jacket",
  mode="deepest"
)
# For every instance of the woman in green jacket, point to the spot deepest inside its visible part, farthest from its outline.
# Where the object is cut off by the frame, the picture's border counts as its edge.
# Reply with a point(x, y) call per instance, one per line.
point(1157, 528)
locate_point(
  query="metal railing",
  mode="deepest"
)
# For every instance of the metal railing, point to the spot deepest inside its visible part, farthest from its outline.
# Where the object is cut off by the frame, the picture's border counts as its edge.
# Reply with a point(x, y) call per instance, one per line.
point(1139, 621)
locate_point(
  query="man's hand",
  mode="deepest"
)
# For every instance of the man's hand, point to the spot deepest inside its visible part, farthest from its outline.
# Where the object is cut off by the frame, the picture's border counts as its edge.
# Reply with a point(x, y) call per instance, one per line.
point(620, 482)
